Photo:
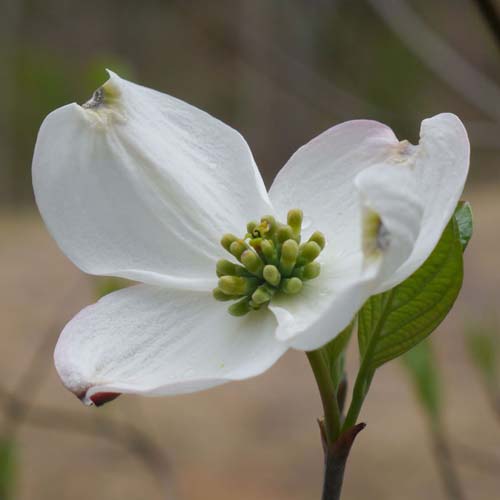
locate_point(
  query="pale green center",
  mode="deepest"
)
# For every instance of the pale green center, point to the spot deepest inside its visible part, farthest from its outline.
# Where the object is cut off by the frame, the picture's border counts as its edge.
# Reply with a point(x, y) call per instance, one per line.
point(272, 260)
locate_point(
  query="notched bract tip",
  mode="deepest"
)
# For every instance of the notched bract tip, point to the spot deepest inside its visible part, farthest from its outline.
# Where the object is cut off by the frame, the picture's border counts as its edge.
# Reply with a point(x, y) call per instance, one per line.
point(404, 153)
point(96, 100)
point(97, 399)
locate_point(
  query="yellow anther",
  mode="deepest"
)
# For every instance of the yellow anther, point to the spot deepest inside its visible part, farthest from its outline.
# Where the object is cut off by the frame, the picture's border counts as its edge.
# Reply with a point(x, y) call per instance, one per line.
point(268, 223)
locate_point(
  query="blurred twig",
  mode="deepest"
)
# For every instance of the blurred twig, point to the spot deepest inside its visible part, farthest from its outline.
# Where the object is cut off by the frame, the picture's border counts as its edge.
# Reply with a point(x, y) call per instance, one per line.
point(36, 371)
point(121, 433)
point(19, 411)
point(490, 15)
point(483, 346)
point(421, 366)
point(484, 461)
point(446, 465)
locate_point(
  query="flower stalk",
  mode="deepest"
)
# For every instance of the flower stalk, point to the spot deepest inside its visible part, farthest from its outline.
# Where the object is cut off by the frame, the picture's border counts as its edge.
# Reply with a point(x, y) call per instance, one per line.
point(338, 435)
point(332, 422)
point(365, 373)
point(336, 442)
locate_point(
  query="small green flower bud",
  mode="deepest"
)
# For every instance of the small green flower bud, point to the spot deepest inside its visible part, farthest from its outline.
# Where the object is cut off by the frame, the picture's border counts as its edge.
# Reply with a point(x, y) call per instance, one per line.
point(308, 252)
point(236, 285)
point(218, 294)
point(237, 248)
point(291, 286)
point(319, 238)
point(227, 239)
point(294, 220)
point(250, 227)
point(262, 295)
point(311, 270)
point(269, 252)
point(289, 254)
point(271, 275)
point(252, 262)
point(308, 272)
point(284, 233)
point(240, 308)
point(225, 268)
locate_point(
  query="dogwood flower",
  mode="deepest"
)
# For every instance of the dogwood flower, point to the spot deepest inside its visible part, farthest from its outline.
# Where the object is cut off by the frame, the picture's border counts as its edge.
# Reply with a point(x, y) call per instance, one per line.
point(140, 185)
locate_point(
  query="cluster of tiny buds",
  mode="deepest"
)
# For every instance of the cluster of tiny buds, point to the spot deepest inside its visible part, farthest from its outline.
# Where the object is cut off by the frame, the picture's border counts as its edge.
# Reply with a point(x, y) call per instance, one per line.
point(272, 260)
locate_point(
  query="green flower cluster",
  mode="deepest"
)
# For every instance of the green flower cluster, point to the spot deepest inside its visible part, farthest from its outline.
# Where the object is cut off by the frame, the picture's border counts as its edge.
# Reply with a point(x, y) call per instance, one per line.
point(272, 260)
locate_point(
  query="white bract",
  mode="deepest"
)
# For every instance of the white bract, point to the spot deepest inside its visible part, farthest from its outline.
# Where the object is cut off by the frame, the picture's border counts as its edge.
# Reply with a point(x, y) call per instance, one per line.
point(140, 185)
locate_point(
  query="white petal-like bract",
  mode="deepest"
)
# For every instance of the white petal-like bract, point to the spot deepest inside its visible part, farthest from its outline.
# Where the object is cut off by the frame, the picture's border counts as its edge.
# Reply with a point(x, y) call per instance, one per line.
point(440, 164)
point(148, 340)
point(319, 179)
point(353, 172)
point(144, 186)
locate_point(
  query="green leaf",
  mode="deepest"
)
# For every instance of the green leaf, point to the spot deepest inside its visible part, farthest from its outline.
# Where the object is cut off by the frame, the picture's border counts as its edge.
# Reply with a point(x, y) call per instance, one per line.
point(7, 468)
point(422, 368)
point(463, 216)
point(392, 323)
point(333, 353)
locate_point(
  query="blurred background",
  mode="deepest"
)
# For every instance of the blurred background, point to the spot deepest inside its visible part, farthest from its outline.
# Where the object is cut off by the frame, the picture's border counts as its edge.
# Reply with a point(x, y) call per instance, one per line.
point(280, 72)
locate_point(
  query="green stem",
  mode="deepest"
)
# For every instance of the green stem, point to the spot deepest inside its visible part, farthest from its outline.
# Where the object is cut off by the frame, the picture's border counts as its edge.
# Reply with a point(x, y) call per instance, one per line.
point(327, 393)
point(365, 373)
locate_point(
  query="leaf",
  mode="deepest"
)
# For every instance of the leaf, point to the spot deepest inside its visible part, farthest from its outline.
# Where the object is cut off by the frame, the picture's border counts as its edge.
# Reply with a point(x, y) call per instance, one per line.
point(7, 468)
point(463, 216)
point(422, 368)
point(393, 322)
point(333, 353)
